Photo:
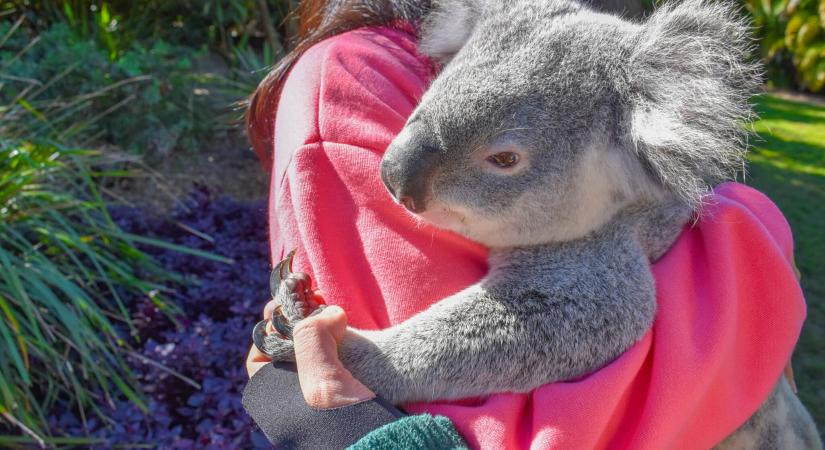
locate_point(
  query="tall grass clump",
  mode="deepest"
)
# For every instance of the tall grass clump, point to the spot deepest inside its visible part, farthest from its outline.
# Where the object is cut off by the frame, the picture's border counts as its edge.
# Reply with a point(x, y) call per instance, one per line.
point(64, 267)
point(66, 334)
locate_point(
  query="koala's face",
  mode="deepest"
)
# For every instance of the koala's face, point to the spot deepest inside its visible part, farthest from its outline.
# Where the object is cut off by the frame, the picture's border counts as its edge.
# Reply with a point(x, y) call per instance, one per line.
point(527, 136)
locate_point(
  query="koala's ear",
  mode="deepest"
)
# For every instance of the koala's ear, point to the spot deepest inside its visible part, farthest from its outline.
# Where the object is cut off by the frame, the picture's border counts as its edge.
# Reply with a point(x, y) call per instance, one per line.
point(690, 79)
point(448, 26)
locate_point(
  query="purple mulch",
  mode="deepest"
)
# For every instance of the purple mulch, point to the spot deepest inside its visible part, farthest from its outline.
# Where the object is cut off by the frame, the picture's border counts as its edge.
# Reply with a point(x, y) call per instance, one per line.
point(219, 310)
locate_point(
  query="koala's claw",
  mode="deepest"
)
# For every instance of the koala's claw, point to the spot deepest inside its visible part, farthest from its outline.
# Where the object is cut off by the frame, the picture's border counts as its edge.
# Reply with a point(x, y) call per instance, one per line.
point(259, 338)
point(276, 345)
point(280, 272)
point(292, 290)
point(295, 300)
point(281, 323)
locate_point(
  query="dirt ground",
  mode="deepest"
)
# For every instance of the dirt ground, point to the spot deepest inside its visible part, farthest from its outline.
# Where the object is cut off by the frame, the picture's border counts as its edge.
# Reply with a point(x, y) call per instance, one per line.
point(229, 167)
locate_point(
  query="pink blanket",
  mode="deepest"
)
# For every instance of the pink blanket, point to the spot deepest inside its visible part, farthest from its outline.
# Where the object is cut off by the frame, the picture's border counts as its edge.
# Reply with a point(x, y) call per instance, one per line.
point(730, 309)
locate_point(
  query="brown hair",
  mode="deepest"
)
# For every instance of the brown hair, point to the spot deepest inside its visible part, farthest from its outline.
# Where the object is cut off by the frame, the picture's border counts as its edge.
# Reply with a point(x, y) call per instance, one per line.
point(318, 20)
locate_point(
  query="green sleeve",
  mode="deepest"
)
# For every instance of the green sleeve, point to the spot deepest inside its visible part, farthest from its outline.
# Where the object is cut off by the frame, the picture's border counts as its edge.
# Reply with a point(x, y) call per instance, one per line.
point(412, 433)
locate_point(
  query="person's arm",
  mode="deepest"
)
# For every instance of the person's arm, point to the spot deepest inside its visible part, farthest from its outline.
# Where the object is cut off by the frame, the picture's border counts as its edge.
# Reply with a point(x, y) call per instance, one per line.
point(342, 104)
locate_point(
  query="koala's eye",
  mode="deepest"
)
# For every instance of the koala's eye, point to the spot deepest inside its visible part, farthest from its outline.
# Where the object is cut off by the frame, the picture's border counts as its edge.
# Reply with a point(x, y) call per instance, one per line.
point(504, 159)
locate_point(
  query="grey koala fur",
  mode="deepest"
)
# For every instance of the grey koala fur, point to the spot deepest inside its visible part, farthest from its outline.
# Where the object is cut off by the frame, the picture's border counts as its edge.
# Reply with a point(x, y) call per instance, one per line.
point(620, 130)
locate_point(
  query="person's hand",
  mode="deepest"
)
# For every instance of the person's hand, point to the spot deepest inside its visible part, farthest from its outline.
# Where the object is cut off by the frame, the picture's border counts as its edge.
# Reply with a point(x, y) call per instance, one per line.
point(325, 382)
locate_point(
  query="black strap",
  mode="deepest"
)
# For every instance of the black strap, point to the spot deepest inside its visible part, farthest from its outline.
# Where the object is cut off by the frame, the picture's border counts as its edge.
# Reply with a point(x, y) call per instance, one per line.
point(274, 400)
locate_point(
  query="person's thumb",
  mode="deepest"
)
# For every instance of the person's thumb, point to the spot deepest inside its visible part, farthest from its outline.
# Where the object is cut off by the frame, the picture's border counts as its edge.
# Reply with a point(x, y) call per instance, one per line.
point(325, 382)
point(330, 319)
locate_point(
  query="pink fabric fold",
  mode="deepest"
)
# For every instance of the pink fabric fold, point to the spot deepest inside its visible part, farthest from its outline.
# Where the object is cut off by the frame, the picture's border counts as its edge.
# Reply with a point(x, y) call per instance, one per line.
point(729, 307)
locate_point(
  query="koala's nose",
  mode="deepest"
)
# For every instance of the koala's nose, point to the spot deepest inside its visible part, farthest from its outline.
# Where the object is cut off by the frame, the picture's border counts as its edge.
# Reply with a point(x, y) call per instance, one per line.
point(408, 166)
point(412, 195)
point(386, 177)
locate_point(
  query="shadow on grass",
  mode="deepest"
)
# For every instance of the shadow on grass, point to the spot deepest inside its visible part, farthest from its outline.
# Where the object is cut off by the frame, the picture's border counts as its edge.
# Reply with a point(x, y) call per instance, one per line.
point(789, 166)
point(789, 155)
point(771, 108)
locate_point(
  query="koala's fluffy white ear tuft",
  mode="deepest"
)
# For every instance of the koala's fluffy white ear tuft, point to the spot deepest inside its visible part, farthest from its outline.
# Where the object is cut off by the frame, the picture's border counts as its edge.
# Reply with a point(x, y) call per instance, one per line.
point(690, 82)
point(448, 27)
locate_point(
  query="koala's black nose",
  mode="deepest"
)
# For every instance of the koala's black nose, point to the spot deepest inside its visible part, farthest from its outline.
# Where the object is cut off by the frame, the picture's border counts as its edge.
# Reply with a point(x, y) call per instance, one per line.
point(408, 166)
point(412, 195)
point(386, 177)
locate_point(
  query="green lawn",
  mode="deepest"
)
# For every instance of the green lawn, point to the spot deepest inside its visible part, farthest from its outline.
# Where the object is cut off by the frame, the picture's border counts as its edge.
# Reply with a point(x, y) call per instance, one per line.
point(788, 164)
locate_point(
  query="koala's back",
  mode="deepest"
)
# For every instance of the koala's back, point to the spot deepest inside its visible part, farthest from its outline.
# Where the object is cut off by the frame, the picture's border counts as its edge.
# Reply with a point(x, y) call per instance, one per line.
point(782, 422)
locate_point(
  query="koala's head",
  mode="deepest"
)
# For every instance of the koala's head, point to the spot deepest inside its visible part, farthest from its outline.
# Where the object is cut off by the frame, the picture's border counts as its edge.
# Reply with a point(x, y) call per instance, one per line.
point(548, 118)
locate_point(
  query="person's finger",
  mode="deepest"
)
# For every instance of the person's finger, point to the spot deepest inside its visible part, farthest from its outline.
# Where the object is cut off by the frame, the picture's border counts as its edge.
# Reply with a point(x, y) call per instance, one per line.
point(255, 360)
point(788, 372)
point(331, 319)
point(268, 308)
point(325, 382)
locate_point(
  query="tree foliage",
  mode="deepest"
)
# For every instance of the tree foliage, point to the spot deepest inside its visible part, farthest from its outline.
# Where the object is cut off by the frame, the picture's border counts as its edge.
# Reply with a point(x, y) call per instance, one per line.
point(791, 37)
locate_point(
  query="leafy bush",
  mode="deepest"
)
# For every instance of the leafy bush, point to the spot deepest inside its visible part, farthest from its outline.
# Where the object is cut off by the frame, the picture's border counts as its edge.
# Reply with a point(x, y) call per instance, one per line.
point(792, 41)
point(220, 25)
point(147, 100)
point(145, 74)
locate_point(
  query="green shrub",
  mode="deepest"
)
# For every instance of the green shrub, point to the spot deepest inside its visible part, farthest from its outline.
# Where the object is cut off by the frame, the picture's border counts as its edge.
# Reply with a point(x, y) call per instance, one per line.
point(792, 41)
point(150, 76)
point(64, 268)
point(147, 100)
point(220, 25)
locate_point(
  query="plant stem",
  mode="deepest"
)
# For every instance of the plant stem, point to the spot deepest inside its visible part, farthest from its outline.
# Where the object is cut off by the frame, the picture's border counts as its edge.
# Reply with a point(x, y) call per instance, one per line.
point(269, 29)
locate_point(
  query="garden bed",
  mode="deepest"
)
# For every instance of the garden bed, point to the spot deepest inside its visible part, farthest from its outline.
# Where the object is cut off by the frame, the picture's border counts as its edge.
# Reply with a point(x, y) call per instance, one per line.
point(197, 373)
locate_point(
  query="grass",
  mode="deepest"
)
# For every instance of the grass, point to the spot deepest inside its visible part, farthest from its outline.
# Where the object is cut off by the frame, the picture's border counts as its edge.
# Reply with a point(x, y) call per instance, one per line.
point(788, 164)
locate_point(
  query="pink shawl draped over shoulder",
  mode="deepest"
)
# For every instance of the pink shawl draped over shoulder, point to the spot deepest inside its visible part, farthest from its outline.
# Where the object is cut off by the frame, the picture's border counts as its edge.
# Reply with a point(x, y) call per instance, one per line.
point(729, 307)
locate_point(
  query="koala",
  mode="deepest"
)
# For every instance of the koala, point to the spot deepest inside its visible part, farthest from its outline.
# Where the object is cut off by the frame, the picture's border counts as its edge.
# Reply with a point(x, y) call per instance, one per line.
point(576, 145)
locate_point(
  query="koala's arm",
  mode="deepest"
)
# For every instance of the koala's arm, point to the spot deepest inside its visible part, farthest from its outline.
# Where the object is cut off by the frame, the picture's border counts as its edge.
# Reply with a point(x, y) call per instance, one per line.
point(532, 323)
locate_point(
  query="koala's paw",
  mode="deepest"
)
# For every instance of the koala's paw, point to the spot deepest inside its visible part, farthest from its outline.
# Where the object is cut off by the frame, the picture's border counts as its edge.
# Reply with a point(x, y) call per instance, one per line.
point(296, 299)
point(279, 349)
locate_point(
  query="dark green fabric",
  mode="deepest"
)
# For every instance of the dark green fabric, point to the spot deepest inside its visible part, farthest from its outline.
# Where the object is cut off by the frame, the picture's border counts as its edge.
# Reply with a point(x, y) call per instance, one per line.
point(412, 433)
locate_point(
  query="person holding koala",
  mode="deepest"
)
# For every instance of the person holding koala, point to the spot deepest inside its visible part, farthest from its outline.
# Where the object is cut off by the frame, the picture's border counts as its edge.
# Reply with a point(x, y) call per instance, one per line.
point(567, 150)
